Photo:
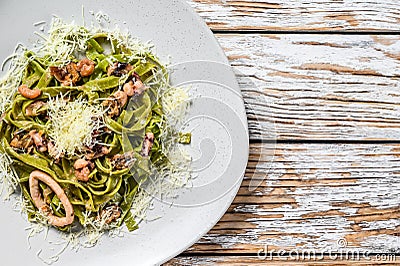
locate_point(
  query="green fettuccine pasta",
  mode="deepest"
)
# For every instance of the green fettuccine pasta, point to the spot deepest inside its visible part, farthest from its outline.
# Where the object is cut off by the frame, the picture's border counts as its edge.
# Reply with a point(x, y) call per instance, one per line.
point(66, 120)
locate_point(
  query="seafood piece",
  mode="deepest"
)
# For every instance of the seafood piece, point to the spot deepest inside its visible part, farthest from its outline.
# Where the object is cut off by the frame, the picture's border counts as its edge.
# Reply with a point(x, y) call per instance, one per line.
point(110, 214)
point(83, 169)
point(23, 143)
point(96, 152)
point(33, 109)
point(122, 161)
point(29, 93)
point(147, 144)
point(37, 198)
point(85, 67)
point(121, 98)
point(67, 75)
point(135, 86)
point(119, 69)
point(39, 140)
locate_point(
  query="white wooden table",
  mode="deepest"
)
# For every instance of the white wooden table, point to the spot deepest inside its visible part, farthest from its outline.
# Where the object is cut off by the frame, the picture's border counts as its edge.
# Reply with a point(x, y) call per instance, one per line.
point(327, 84)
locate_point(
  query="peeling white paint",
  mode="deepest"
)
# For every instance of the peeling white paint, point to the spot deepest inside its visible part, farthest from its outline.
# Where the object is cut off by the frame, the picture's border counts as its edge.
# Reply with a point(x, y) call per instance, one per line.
point(358, 100)
point(318, 15)
point(369, 180)
point(383, 243)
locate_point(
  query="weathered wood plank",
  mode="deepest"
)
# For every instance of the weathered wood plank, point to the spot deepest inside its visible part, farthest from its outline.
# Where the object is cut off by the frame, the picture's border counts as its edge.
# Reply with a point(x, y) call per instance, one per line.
point(324, 87)
point(312, 87)
point(314, 196)
point(283, 15)
point(389, 260)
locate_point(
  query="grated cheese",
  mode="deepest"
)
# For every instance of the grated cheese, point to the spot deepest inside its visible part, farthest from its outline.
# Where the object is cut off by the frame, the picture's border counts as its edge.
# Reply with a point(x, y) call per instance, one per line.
point(72, 124)
point(63, 41)
point(95, 226)
point(8, 177)
point(100, 16)
point(175, 102)
point(12, 79)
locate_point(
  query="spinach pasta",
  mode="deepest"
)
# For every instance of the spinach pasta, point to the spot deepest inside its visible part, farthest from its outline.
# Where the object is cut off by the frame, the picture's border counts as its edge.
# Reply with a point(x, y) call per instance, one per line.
point(63, 126)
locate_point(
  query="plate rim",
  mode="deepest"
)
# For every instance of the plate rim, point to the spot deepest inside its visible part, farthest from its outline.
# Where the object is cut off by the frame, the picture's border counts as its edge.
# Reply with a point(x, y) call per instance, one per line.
point(205, 27)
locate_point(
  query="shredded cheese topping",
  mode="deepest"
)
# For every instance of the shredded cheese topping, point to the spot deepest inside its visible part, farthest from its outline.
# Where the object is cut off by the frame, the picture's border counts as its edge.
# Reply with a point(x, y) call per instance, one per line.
point(11, 80)
point(8, 177)
point(175, 102)
point(72, 124)
point(63, 41)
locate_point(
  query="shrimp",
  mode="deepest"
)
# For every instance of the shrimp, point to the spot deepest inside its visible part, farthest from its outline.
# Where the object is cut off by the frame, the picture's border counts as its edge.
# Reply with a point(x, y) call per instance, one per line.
point(85, 67)
point(112, 107)
point(80, 163)
point(128, 89)
point(29, 93)
point(82, 169)
point(96, 152)
point(39, 140)
point(147, 144)
point(123, 161)
point(121, 97)
point(53, 151)
point(23, 143)
point(67, 75)
point(110, 214)
point(34, 109)
point(134, 86)
point(34, 179)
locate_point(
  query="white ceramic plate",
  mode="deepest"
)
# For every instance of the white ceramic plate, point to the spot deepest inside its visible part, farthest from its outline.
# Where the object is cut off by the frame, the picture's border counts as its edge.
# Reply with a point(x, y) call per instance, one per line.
point(217, 119)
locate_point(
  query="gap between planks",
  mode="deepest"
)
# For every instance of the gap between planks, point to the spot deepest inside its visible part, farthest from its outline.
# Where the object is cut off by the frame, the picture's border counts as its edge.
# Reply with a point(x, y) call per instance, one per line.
point(283, 32)
point(233, 260)
point(321, 141)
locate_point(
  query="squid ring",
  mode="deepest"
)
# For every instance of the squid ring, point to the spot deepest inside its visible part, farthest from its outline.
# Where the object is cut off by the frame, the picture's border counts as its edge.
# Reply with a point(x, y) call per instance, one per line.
point(34, 179)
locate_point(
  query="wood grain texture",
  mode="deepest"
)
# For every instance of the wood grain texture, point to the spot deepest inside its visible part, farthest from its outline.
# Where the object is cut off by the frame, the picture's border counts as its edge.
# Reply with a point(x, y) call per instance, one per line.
point(312, 196)
point(316, 15)
point(390, 260)
point(318, 87)
point(311, 87)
